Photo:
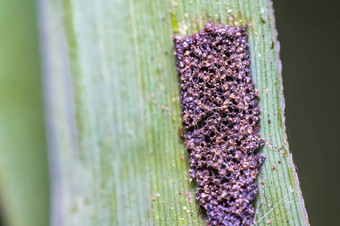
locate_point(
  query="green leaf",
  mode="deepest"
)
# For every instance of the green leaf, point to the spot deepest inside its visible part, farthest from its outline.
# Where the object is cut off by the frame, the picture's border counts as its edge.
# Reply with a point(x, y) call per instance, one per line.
point(114, 111)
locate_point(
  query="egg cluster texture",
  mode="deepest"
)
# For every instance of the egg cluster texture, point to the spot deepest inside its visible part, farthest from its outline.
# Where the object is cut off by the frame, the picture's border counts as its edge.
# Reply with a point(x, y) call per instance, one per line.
point(220, 117)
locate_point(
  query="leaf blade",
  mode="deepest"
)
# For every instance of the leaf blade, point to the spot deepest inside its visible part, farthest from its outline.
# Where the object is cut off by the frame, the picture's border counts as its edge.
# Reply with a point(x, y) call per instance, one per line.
point(128, 152)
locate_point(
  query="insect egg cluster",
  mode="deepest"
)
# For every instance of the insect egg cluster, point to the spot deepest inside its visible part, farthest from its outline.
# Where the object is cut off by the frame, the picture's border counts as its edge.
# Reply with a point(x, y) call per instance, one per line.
point(220, 115)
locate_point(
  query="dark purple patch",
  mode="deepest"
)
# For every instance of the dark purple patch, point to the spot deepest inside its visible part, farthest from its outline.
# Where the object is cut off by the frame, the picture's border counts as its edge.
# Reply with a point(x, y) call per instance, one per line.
point(220, 115)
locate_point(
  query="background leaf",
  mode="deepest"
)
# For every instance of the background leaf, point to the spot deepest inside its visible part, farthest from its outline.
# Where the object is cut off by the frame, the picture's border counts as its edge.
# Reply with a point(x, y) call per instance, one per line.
point(24, 184)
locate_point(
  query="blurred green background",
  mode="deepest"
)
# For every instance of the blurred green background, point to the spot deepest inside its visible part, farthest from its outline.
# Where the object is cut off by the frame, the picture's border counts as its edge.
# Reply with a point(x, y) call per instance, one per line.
point(308, 33)
point(23, 156)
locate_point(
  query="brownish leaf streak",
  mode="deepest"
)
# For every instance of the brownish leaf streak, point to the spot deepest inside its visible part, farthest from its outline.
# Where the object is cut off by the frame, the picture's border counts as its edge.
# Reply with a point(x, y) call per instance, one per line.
point(220, 115)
